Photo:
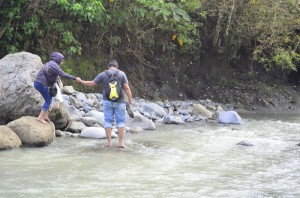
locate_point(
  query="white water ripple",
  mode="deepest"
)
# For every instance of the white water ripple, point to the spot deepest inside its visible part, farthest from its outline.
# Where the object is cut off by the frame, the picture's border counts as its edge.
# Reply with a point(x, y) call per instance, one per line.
point(192, 160)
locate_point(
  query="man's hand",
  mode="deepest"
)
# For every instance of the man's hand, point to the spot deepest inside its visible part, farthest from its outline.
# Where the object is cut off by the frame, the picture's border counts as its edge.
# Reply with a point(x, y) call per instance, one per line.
point(78, 79)
point(130, 101)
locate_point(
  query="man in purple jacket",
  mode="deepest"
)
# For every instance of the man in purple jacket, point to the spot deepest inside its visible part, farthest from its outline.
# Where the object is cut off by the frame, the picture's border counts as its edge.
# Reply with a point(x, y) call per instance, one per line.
point(52, 70)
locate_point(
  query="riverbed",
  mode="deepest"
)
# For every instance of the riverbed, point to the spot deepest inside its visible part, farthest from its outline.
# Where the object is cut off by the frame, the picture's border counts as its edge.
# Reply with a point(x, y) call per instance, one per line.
point(197, 159)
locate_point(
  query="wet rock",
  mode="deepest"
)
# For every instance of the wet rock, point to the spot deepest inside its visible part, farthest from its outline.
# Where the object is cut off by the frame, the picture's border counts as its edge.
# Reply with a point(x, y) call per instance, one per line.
point(32, 132)
point(76, 127)
point(8, 138)
point(95, 132)
point(245, 143)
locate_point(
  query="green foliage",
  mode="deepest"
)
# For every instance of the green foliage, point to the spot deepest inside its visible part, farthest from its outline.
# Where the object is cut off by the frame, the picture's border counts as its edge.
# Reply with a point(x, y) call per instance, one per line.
point(44, 26)
point(84, 10)
point(278, 45)
point(268, 29)
point(138, 30)
point(147, 26)
point(86, 69)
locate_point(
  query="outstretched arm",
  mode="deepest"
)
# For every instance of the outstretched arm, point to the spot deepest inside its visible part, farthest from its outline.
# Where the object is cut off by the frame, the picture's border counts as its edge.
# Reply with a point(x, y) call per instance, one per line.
point(88, 83)
point(78, 79)
point(128, 92)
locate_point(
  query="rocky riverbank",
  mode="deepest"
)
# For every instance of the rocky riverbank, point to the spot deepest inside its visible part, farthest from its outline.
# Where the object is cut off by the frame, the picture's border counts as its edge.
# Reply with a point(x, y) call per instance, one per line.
point(80, 114)
point(254, 93)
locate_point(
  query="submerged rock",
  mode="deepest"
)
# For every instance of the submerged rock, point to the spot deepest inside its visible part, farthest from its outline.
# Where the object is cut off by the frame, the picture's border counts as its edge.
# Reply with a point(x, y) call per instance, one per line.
point(245, 143)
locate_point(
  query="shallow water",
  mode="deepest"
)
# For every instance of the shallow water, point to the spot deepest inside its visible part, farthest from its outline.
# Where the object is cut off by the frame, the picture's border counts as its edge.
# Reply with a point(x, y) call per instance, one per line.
point(192, 160)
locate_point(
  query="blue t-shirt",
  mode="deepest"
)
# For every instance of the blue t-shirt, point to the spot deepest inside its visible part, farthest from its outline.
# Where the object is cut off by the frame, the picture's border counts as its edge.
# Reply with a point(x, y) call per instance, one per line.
point(103, 79)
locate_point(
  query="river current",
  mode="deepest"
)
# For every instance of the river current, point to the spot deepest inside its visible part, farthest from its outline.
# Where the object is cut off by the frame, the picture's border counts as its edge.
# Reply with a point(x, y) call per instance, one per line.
point(193, 160)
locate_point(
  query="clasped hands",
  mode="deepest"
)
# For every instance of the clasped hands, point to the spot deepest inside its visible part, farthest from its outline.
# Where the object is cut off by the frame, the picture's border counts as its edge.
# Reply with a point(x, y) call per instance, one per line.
point(78, 79)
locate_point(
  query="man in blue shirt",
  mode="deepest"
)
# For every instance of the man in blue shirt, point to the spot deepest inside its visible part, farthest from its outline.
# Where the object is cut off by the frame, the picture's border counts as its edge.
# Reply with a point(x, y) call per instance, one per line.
point(113, 108)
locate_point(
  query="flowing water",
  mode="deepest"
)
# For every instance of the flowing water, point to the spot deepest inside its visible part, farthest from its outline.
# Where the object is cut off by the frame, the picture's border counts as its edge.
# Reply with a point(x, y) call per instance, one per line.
point(192, 160)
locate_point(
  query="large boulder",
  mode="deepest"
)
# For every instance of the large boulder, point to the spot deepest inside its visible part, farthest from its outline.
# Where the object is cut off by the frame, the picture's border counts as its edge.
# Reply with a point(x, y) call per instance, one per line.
point(32, 132)
point(8, 138)
point(18, 97)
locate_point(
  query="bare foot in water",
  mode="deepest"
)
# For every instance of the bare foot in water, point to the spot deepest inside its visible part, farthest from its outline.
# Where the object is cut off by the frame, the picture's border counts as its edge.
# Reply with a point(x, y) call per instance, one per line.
point(108, 145)
point(121, 146)
point(42, 120)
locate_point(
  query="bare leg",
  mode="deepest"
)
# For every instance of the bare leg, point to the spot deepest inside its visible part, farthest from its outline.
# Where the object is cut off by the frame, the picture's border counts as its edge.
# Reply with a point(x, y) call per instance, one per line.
point(41, 117)
point(108, 136)
point(121, 132)
point(46, 117)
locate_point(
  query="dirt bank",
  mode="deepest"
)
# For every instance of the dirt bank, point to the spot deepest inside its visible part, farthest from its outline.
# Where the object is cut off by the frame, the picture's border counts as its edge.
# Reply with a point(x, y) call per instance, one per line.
point(254, 90)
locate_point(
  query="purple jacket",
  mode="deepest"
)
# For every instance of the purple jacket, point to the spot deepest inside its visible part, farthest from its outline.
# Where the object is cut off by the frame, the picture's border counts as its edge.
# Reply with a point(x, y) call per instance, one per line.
point(54, 70)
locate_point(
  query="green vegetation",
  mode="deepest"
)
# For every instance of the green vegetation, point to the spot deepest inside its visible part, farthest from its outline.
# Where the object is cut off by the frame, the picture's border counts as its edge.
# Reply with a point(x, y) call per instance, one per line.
point(138, 31)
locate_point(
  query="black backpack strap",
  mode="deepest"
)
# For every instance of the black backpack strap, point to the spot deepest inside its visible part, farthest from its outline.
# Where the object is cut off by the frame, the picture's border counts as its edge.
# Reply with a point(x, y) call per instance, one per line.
point(108, 73)
point(116, 73)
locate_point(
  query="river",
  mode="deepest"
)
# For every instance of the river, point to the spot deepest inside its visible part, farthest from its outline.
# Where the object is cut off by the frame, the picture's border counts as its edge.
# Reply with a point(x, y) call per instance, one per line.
point(192, 160)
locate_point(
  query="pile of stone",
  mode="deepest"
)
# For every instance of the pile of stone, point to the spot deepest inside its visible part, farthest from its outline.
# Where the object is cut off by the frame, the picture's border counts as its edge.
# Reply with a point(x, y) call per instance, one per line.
point(80, 114)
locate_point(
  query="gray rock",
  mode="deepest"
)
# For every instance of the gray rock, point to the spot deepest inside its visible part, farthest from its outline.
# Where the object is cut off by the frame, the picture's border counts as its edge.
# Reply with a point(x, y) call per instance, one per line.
point(153, 108)
point(59, 115)
point(230, 117)
point(87, 108)
point(9, 139)
point(140, 121)
point(98, 115)
point(89, 102)
point(171, 119)
point(95, 132)
point(186, 117)
point(59, 133)
point(89, 121)
point(91, 96)
point(66, 98)
point(135, 130)
point(199, 109)
point(80, 96)
point(76, 127)
point(76, 102)
point(211, 108)
point(74, 113)
point(18, 97)
point(68, 90)
point(183, 111)
point(32, 132)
